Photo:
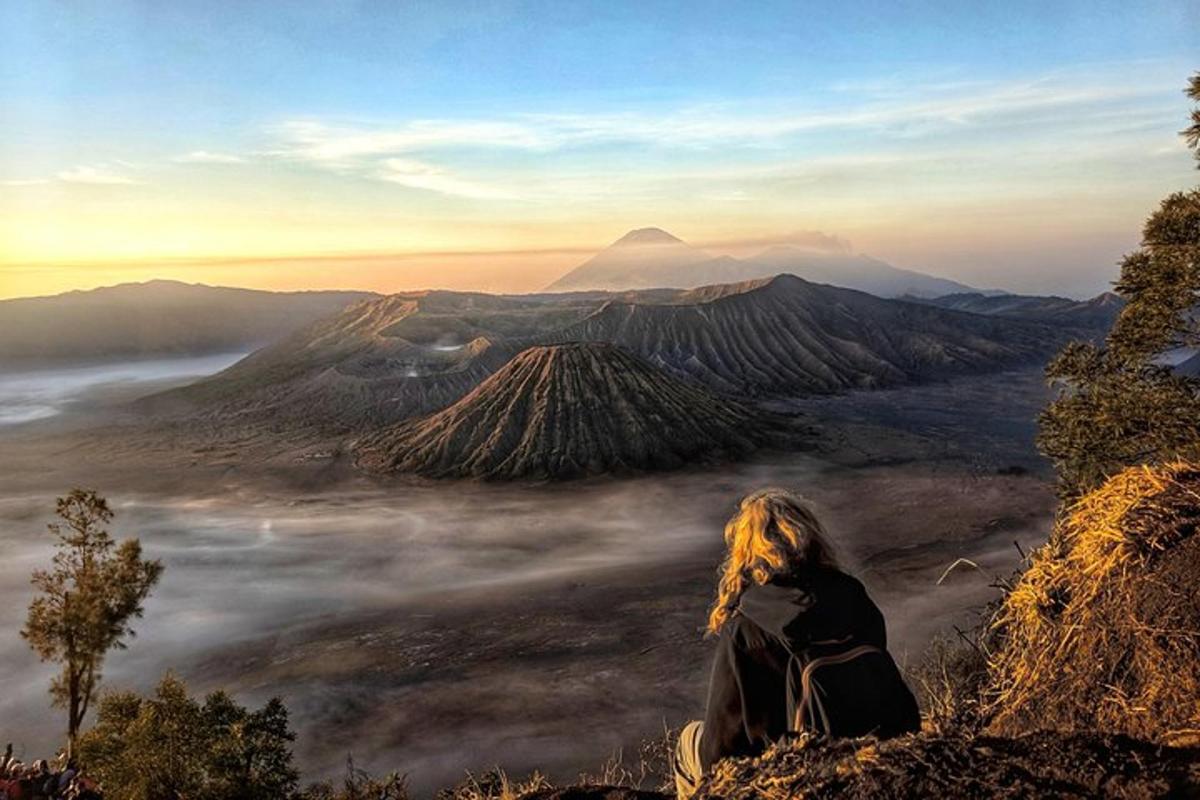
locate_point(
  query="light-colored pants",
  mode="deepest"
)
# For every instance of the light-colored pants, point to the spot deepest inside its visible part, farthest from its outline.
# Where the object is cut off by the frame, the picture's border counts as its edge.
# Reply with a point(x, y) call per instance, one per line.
point(688, 771)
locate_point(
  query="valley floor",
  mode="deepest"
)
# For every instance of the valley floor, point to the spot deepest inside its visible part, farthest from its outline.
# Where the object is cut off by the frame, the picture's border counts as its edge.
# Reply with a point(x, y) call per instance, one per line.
point(435, 627)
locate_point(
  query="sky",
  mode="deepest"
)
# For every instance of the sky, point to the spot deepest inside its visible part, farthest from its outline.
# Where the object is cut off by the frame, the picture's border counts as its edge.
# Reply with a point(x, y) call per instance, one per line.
point(494, 145)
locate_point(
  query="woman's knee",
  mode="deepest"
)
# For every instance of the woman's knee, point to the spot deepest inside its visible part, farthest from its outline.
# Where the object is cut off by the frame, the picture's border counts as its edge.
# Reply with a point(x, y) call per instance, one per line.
point(691, 732)
point(688, 770)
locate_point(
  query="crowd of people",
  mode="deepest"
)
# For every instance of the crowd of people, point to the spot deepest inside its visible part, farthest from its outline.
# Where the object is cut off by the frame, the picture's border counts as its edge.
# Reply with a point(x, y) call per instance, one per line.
point(43, 780)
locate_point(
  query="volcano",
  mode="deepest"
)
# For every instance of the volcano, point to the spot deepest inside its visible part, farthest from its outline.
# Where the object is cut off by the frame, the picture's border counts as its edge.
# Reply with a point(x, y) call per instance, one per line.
point(652, 258)
point(641, 259)
point(565, 411)
point(395, 358)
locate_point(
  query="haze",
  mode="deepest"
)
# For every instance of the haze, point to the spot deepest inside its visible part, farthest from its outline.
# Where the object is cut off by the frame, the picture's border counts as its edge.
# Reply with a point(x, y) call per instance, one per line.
point(487, 146)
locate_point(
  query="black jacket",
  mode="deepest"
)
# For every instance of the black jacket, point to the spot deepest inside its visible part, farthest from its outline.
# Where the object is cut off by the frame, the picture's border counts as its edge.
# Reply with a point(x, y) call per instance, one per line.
point(748, 693)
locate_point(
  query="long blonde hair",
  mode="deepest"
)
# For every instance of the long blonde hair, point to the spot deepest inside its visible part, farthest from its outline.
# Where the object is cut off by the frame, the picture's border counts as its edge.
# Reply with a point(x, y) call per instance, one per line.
point(773, 532)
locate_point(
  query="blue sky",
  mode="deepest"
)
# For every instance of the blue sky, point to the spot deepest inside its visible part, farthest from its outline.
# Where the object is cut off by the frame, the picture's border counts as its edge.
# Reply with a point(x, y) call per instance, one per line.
point(1015, 144)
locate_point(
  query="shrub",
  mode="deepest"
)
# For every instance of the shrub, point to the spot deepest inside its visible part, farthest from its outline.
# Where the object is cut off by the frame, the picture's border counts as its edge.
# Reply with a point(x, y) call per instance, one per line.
point(171, 745)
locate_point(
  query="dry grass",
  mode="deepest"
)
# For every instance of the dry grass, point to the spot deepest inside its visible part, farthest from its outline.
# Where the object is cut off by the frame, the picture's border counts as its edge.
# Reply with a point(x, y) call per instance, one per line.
point(652, 769)
point(949, 680)
point(1103, 631)
point(495, 784)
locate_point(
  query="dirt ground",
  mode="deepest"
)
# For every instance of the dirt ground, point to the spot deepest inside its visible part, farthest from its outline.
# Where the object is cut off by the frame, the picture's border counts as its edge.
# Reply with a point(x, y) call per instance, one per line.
point(1036, 765)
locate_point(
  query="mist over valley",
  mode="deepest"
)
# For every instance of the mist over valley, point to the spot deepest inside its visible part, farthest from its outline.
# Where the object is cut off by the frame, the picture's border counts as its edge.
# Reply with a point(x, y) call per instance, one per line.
point(444, 625)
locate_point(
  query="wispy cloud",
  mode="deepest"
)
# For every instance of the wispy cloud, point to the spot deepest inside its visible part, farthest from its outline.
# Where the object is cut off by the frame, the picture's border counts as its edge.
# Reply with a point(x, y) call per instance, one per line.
point(783, 142)
point(99, 174)
point(332, 145)
point(473, 158)
point(418, 175)
point(207, 157)
point(932, 109)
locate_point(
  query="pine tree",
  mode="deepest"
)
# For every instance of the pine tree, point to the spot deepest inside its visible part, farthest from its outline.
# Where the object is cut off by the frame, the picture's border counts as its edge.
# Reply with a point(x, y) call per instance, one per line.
point(251, 757)
point(88, 599)
point(1119, 404)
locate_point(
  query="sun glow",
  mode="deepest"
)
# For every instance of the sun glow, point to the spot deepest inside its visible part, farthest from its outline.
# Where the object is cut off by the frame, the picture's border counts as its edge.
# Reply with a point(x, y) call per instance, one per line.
point(939, 159)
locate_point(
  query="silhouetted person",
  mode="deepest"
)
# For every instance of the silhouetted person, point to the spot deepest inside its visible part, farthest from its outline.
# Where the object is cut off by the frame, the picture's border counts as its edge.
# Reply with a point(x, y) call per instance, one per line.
point(70, 770)
point(42, 779)
point(801, 647)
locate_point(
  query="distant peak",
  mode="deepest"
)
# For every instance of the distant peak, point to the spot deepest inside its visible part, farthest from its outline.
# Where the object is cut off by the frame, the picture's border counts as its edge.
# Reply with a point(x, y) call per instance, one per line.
point(647, 236)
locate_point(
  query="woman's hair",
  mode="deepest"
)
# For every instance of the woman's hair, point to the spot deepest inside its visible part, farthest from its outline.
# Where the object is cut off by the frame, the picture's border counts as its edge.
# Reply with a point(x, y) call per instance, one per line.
point(773, 532)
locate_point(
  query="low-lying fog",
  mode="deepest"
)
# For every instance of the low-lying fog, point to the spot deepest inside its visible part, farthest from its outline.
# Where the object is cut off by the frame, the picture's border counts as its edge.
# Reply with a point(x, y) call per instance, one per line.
point(32, 394)
point(439, 627)
point(245, 574)
point(241, 567)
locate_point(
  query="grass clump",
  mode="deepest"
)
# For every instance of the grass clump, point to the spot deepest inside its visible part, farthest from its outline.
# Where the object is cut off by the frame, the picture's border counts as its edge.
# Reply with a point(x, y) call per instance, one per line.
point(495, 784)
point(1102, 633)
point(949, 682)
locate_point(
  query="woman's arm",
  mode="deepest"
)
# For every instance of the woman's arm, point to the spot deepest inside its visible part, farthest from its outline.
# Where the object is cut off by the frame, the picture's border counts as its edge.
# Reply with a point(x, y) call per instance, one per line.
point(724, 732)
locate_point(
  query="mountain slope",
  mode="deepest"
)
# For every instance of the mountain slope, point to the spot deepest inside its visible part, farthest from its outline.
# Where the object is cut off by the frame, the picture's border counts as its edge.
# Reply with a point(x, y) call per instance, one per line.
point(155, 318)
point(376, 362)
point(1190, 366)
point(853, 271)
point(788, 336)
point(564, 411)
point(1099, 312)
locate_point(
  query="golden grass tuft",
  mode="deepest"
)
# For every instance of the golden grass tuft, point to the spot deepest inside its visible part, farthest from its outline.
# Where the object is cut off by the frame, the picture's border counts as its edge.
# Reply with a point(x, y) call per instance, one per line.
point(729, 775)
point(495, 785)
point(1102, 632)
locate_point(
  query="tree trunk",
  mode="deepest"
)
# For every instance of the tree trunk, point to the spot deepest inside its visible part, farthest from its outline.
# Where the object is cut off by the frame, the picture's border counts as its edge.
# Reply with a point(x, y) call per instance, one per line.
point(73, 715)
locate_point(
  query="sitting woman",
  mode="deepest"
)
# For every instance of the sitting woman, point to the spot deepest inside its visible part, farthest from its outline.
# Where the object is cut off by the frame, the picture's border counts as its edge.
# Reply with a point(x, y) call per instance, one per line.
point(801, 646)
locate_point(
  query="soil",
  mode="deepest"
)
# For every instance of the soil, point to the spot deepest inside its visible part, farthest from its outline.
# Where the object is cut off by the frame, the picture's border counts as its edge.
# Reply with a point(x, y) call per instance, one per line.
point(923, 766)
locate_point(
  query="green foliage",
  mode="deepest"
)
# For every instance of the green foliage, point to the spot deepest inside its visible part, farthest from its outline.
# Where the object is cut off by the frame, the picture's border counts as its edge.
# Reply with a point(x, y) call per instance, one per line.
point(1191, 134)
point(1117, 404)
point(1110, 415)
point(171, 746)
point(87, 599)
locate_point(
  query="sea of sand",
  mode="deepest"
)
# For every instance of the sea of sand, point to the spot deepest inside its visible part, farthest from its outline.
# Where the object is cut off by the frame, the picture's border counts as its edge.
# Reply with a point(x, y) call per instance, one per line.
point(435, 628)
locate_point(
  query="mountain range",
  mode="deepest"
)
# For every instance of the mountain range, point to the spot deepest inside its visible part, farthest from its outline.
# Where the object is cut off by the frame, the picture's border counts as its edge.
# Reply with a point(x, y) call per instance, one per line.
point(163, 318)
point(556, 384)
point(383, 361)
point(652, 258)
point(157, 318)
point(1098, 313)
